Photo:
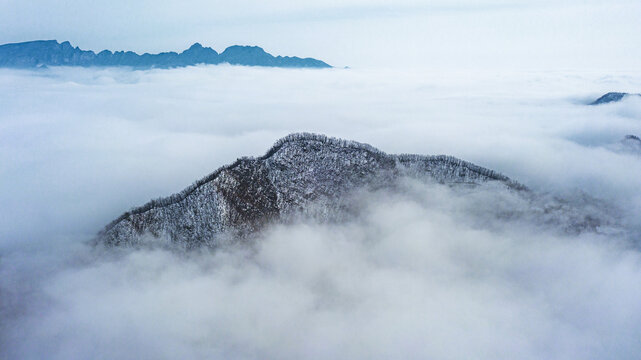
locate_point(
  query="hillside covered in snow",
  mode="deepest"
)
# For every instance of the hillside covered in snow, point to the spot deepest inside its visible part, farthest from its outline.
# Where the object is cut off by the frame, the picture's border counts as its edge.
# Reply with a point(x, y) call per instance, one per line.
point(304, 175)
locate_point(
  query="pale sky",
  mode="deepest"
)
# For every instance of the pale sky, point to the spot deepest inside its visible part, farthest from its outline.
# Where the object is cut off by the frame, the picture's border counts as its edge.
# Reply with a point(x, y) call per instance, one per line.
point(429, 34)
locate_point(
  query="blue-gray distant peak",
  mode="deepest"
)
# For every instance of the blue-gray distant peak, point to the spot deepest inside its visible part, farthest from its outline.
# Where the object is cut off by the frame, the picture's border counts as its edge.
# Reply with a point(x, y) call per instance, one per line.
point(51, 53)
point(612, 97)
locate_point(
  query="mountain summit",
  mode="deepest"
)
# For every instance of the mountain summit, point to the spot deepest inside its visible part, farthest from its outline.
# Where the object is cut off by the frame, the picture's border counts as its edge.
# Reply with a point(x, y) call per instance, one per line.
point(314, 176)
point(612, 97)
point(42, 53)
point(301, 173)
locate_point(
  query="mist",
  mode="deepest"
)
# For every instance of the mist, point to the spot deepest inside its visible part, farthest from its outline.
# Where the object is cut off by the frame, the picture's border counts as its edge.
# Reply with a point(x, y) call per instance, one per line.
point(413, 276)
point(422, 272)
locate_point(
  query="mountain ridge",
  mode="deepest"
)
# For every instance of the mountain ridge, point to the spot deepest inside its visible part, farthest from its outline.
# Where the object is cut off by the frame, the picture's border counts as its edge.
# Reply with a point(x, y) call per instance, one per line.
point(316, 137)
point(299, 169)
point(42, 53)
point(612, 97)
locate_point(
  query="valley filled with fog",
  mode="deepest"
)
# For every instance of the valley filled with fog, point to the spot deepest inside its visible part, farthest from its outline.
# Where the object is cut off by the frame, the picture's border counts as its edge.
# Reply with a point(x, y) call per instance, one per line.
point(424, 271)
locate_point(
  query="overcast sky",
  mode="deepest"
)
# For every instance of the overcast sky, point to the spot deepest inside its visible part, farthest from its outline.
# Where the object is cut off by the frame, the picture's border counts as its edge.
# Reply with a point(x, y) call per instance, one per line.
point(436, 34)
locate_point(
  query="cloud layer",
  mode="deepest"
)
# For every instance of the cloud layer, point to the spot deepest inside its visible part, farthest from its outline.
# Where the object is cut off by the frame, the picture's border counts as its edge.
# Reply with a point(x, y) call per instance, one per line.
point(415, 276)
point(425, 272)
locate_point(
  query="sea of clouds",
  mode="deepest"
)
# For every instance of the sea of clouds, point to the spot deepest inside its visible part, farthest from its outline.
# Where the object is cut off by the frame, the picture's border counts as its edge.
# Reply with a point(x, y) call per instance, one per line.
point(423, 272)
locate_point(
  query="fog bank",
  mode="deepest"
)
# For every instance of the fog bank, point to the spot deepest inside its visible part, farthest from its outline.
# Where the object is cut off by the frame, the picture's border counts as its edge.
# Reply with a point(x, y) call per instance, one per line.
point(423, 273)
point(427, 272)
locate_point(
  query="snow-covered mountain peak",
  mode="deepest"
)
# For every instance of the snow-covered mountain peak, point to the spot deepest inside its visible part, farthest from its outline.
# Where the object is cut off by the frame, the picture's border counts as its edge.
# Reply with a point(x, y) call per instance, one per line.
point(302, 173)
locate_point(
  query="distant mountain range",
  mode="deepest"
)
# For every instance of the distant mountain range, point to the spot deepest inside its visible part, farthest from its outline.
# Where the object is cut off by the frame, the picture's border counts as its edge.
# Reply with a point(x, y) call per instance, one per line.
point(42, 53)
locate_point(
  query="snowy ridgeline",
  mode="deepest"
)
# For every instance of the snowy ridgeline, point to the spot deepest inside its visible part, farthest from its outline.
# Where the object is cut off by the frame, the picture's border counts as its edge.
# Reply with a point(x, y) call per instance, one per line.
point(302, 173)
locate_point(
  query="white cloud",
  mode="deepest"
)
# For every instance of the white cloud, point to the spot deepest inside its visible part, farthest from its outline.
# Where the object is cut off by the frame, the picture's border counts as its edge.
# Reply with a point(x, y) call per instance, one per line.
point(424, 273)
point(413, 277)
